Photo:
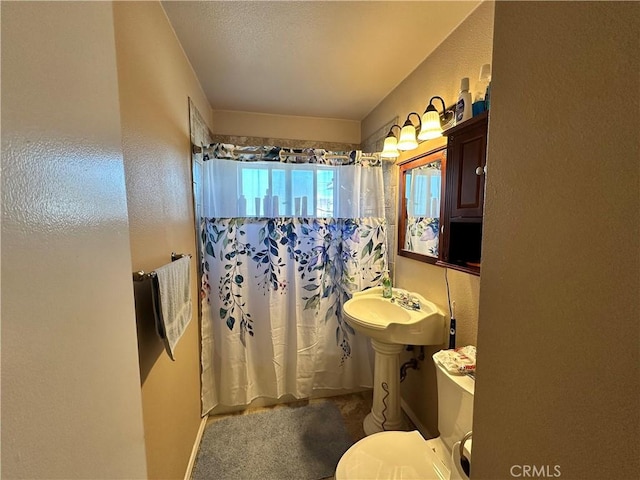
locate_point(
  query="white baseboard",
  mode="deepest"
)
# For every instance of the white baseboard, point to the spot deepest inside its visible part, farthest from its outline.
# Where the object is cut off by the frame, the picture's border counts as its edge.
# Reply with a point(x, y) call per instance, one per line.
point(196, 447)
point(414, 418)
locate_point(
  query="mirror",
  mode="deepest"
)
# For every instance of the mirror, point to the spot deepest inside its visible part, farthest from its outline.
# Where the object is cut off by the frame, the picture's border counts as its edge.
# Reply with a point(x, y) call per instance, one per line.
point(421, 198)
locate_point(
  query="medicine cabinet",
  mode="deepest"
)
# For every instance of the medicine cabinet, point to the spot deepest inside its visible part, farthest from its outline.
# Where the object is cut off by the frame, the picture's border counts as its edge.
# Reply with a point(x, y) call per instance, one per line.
point(441, 200)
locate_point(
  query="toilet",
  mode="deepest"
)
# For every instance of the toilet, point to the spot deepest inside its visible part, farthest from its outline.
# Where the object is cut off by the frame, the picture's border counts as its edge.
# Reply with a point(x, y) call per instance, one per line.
point(407, 455)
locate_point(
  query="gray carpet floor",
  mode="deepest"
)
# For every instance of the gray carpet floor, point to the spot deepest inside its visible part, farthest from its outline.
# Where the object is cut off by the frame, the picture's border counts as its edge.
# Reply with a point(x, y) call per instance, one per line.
point(289, 443)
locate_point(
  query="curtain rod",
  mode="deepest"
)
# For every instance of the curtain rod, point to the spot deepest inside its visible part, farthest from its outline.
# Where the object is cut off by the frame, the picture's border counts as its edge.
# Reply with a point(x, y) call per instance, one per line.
point(283, 153)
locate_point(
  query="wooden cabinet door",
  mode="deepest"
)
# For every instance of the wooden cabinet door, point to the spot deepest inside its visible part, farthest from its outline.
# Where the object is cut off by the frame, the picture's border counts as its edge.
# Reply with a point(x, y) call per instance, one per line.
point(461, 218)
point(467, 153)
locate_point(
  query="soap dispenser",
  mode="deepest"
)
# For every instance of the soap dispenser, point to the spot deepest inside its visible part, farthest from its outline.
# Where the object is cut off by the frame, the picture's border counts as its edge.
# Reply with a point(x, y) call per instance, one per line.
point(387, 290)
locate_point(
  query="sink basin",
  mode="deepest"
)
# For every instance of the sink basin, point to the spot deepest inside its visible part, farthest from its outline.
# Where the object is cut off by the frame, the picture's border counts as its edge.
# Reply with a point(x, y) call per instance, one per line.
point(391, 326)
point(371, 314)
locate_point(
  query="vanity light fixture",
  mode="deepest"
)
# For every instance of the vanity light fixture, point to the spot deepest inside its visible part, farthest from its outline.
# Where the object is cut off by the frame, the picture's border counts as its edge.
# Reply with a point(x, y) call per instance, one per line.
point(390, 149)
point(431, 120)
point(429, 127)
point(407, 139)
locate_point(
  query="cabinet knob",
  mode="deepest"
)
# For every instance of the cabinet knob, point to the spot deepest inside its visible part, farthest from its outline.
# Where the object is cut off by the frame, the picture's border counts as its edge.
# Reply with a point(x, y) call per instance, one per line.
point(480, 171)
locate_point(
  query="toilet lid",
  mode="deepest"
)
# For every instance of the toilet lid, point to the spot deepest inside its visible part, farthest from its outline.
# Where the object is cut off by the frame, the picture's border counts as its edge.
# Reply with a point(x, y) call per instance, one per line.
point(391, 455)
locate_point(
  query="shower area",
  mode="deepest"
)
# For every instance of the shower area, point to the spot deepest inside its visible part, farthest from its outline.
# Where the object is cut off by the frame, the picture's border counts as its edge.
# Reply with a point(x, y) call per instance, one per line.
point(285, 237)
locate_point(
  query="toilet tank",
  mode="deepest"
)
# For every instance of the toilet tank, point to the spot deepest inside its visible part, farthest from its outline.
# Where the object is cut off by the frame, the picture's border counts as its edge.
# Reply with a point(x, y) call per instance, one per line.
point(455, 405)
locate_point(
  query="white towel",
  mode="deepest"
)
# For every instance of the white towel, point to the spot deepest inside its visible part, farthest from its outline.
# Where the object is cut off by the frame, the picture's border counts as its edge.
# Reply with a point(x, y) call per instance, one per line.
point(459, 361)
point(172, 307)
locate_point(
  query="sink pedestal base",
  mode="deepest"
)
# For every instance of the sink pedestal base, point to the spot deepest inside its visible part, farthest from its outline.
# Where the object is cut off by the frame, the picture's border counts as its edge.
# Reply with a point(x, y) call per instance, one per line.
point(385, 412)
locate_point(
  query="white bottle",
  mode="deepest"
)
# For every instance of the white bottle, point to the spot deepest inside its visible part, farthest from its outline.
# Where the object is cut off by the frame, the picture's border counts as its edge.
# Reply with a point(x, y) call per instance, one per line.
point(463, 107)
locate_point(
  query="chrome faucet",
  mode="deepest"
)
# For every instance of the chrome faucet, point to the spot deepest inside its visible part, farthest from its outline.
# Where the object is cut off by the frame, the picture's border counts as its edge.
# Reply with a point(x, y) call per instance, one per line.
point(407, 301)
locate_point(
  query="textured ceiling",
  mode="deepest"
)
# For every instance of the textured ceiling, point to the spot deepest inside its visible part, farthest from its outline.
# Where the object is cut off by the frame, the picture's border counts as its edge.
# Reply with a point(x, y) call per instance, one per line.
point(321, 59)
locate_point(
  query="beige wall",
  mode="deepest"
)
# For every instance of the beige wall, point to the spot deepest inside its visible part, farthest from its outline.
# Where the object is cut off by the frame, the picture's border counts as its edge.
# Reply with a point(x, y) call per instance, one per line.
point(558, 337)
point(461, 54)
point(247, 124)
point(155, 82)
point(71, 405)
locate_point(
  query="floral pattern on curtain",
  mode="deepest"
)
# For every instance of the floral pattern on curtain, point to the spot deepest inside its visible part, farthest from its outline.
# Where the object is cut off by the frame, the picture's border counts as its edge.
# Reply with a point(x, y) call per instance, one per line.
point(288, 155)
point(332, 258)
point(287, 237)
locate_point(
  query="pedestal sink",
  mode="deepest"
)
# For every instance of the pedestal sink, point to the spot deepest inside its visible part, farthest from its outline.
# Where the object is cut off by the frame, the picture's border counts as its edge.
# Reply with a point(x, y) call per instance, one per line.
point(392, 324)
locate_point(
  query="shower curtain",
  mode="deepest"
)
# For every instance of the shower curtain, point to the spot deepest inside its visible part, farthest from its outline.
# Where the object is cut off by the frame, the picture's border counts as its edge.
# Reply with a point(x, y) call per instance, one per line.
point(286, 239)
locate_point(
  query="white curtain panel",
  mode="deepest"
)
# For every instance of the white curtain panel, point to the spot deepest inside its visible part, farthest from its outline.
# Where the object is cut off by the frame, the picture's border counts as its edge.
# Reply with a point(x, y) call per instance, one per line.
point(232, 189)
point(283, 247)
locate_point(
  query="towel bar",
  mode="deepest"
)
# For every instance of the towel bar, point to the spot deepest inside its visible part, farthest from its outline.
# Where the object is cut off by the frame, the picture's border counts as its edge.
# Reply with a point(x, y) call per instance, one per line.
point(141, 275)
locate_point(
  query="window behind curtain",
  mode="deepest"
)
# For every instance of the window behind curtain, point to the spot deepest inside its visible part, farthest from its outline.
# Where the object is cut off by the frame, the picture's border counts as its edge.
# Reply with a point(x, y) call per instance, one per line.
point(270, 189)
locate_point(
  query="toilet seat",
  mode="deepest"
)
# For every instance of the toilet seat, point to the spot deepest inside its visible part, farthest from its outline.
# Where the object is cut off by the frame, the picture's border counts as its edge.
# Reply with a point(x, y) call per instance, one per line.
point(392, 455)
point(457, 471)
